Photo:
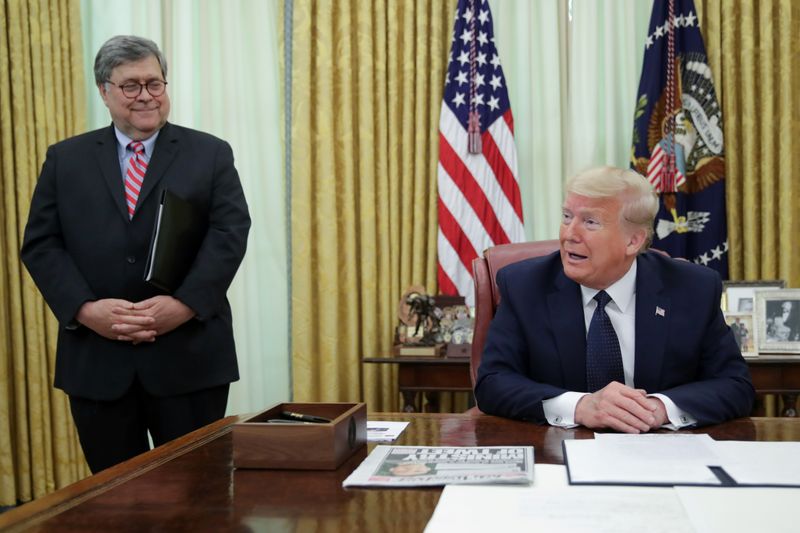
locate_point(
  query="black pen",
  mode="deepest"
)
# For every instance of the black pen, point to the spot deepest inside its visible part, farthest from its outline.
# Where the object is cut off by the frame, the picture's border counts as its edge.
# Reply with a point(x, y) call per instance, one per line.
point(305, 418)
point(286, 421)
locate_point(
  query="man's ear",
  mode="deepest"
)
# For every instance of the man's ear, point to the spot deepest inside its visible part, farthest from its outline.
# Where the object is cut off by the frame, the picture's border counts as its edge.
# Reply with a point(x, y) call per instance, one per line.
point(636, 240)
point(103, 90)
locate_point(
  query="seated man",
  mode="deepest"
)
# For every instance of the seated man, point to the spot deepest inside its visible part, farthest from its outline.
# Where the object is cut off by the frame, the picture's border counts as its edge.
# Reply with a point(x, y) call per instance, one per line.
point(605, 334)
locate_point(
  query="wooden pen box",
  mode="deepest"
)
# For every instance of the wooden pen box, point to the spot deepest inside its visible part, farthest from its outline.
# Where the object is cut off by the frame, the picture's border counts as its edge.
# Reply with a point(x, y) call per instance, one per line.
point(259, 444)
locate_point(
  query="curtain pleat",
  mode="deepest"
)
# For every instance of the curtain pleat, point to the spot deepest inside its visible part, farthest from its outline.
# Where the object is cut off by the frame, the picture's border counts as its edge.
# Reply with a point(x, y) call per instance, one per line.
point(367, 80)
point(41, 102)
point(754, 53)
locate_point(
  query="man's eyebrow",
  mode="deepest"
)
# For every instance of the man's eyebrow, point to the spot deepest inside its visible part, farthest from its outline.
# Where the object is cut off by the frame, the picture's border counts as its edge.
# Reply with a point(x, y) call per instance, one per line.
point(136, 80)
point(590, 211)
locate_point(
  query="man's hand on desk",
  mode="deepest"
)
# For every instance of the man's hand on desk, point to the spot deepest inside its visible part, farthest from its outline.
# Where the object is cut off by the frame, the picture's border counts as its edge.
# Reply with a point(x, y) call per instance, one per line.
point(621, 408)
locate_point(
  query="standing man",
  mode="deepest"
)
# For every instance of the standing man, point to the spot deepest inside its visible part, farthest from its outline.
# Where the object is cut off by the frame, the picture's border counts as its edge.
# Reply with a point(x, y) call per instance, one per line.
point(131, 358)
point(607, 335)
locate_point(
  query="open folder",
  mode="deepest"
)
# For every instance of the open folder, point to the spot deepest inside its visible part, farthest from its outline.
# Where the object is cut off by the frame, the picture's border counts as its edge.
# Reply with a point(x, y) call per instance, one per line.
point(680, 459)
point(177, 234)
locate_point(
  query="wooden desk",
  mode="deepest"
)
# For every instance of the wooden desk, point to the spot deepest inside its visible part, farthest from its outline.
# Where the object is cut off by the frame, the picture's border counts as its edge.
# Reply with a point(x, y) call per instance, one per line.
point(772, 374)
point(190, 484)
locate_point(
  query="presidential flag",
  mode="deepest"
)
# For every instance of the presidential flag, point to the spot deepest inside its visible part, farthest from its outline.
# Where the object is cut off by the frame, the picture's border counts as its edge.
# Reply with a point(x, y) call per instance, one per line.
point(677, 138)
point(479, 198)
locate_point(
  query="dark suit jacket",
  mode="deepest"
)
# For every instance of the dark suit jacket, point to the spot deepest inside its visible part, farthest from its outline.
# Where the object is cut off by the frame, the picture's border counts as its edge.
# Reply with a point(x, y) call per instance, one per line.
point(536, 344)
point(79, 245)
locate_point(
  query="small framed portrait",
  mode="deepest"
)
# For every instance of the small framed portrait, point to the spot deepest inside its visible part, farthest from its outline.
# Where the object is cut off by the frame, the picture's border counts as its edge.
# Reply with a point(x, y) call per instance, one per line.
point(778, 321)
point(744, 332)
point(739, 296)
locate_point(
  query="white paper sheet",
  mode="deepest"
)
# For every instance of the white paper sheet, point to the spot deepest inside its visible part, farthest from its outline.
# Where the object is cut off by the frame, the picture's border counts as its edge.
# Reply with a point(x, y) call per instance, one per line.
point(384, 431)
point(761, 463)
point(551, 505)
point(643, 459)
point(740, 509)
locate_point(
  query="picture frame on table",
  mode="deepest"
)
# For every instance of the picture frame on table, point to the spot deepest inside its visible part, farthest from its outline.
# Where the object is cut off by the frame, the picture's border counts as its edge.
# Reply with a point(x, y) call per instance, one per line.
point(739, 296)
point(744, 330)
point(778, 321)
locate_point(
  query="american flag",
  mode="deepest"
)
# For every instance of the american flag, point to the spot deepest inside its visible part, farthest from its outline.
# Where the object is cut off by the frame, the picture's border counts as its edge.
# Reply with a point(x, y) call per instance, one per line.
point(479, 199)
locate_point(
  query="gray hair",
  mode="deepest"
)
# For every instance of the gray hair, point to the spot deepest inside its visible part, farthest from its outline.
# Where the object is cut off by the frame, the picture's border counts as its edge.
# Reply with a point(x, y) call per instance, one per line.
point(639, 201)
point(125, 49)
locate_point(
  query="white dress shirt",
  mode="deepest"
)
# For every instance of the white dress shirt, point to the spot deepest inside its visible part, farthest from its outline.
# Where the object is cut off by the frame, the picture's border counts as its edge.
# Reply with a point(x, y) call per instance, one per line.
point(621, 310)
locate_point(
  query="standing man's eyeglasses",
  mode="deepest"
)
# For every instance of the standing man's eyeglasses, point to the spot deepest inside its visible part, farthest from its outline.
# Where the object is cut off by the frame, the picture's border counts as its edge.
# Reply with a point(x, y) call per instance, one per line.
point(131, 89)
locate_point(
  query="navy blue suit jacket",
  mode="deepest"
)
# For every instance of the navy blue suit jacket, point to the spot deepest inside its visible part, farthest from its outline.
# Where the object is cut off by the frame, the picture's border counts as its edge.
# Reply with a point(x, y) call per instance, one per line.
point(536, 344)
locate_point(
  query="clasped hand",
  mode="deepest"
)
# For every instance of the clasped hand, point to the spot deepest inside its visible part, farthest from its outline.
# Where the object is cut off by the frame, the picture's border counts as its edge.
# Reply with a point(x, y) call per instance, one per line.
point(619, 407)
point(134, 322)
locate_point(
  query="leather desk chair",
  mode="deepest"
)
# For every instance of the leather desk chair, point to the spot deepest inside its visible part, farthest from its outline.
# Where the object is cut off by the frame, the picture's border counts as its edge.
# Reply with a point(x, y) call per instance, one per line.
point(484, 271)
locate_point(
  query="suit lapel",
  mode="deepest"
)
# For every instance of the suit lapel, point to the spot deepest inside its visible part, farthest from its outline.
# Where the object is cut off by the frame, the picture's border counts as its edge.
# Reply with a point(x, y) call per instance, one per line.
point(566, 316)
point(108, 160)
point(164, 153)
point(652, 325)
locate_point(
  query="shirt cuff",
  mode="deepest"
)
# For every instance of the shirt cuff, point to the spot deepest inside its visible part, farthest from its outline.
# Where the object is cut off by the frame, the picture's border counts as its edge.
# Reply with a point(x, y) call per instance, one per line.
point(560, 410)
point(678, 418)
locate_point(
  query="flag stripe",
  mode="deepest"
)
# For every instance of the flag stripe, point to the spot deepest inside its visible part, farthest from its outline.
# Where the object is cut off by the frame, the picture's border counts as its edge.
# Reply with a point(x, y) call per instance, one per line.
point(509, 118)
point(505, 177)
point(460, 276)
point(468, 222)
point(474, 195)
point(455, 235)
point(446, 285)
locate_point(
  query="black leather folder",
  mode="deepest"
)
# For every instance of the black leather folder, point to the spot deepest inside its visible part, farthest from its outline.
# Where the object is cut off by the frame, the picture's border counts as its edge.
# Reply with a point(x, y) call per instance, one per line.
point(177, 234)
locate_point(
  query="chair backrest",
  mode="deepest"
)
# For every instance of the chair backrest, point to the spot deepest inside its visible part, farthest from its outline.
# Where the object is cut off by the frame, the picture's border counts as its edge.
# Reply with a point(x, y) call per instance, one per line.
point(484, 270)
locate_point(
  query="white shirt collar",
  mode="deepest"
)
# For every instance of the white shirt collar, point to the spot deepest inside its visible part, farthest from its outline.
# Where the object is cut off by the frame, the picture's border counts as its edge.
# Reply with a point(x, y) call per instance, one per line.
point(621, 291)
point(148, 143)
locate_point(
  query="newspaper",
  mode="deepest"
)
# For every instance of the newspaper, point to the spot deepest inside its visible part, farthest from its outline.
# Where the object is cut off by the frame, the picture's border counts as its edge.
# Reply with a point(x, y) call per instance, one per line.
point(418, 466)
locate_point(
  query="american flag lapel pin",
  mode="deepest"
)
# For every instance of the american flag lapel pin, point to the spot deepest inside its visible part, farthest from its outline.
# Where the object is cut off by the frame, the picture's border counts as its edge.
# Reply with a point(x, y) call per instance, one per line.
point(660, 311)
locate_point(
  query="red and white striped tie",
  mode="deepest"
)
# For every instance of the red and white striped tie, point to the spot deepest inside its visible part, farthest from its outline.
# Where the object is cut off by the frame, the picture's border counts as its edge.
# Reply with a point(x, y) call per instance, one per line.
point(134, 176)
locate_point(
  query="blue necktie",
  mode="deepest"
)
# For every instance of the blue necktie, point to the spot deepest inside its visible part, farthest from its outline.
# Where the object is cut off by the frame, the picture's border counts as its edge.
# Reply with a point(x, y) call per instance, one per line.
point(603, 356)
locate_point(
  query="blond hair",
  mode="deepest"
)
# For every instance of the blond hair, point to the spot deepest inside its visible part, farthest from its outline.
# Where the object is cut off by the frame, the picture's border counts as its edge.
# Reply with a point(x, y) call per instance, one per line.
point(639, 201)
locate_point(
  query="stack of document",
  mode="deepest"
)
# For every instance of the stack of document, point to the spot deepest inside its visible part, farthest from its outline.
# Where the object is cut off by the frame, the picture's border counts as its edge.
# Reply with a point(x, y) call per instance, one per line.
point(681, 459)
point(550, 504)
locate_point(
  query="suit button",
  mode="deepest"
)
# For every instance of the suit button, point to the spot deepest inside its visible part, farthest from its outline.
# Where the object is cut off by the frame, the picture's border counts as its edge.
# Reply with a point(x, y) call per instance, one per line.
point(131, 259)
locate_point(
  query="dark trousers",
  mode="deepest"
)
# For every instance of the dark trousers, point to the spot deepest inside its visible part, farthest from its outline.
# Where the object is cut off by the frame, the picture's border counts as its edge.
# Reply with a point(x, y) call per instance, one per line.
point(114, 431)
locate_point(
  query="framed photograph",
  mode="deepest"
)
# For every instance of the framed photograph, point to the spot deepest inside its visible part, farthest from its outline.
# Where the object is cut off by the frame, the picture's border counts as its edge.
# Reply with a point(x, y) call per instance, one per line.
point(778, 321)
point(739, 296)
point(744, 332)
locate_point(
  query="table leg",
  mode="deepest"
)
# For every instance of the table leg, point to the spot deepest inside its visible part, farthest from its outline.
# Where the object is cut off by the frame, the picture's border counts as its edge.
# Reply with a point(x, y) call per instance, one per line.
point(759, 407)
point(409, 401)
point(433, 401)
point(789, 404)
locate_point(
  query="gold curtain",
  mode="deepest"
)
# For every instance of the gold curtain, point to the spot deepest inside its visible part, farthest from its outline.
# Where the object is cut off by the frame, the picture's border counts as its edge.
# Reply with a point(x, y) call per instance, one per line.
point(754, 54)
point(41, 102)
point(367, 80)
